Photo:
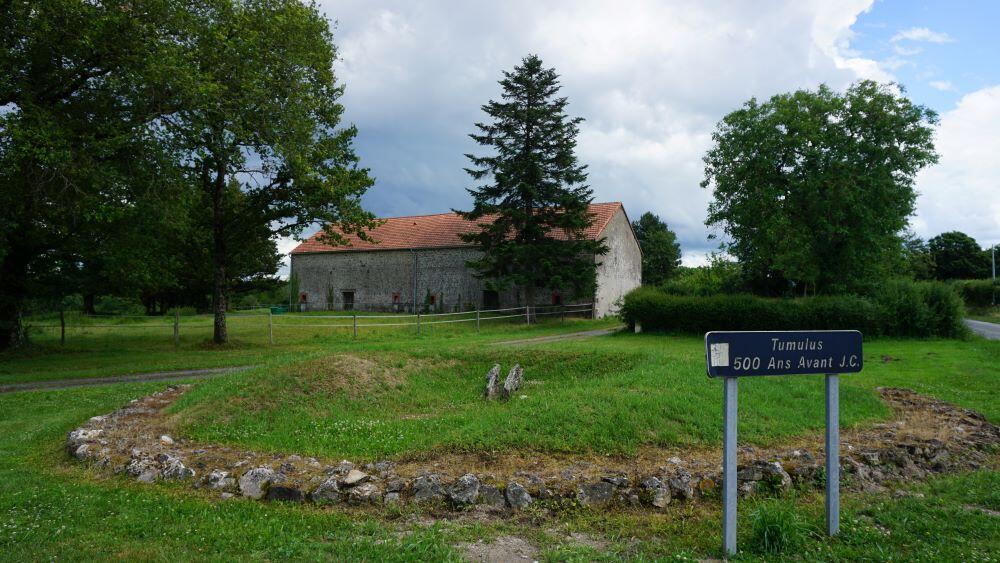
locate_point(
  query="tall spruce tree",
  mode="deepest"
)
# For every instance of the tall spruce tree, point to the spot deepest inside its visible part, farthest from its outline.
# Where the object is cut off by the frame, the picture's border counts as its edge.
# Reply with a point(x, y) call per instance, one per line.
point(533, 201)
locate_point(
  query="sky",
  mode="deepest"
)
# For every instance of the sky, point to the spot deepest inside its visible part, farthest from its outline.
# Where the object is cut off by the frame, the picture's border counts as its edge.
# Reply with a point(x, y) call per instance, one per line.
point(652, 79)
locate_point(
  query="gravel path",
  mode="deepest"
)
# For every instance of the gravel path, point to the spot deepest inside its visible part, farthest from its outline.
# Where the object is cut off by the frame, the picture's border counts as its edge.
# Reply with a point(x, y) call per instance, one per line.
point(157, 376)
point(990, 331)
point(558, 337)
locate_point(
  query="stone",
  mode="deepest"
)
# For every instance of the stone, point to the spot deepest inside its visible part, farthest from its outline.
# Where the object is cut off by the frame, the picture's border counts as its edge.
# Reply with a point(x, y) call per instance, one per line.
point(143, 469)
point(354, 477)
point(492, 496)
point(775, 476)
point(464, 491)
point(226, 496)
point(492, 383)
point(392, 497)
point(517, 496)
point(395, 486)
point(426, 488)
point(595, 494)
point(81, 435)
point(173, 467)
point(219, 480)
point(515, 377)
point(383, 466)
point(166, 440)
point(746, 488)
point(80, 452)
point(253, 484)
point(328, 492)
point(651, 483)
point(618, 481)
point(680, 485)
point(661, 497)
point(365, 493)
point(283, 493)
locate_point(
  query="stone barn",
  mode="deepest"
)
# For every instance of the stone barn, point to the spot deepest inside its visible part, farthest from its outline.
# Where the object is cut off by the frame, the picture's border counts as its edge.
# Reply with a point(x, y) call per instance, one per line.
point(421, 259)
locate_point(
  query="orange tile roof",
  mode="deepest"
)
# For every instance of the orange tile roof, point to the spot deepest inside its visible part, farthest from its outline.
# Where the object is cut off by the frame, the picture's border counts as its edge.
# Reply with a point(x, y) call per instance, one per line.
point(433, 231)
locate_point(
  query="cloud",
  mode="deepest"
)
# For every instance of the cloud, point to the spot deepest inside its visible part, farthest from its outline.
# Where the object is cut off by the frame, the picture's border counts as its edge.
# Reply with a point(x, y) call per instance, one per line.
point(921, 34)
point(962, 192)
point(942, 85)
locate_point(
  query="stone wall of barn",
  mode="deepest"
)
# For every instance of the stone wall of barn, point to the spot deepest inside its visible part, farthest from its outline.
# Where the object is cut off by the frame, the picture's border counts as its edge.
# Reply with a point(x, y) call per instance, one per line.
point(620, 270)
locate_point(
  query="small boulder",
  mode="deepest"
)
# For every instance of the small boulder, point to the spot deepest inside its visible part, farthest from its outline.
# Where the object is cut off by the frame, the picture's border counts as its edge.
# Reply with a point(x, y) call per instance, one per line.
point(328, 492)
point(392, 497)
point(253, 483)
point(219, 480)
point(166, 440)
point(464, 491)
point(517, 496)
point(354, 477)
point(427, 488)
point(365, 493)
point(661, 497)
point(492, 496)
point(595, 494)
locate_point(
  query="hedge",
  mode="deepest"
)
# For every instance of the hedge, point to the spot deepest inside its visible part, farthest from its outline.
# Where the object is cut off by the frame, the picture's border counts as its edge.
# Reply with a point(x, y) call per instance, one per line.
point(897, 309)
point(978, 293)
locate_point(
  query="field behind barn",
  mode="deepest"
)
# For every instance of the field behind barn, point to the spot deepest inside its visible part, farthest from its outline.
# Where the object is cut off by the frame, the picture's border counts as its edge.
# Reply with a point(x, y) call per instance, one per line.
point(393, 394)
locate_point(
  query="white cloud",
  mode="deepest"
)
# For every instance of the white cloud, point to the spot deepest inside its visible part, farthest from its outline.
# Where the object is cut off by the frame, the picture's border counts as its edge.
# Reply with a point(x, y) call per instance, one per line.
point(652, 78)
point(921, 34)
point(962, 192)
point(942, 85)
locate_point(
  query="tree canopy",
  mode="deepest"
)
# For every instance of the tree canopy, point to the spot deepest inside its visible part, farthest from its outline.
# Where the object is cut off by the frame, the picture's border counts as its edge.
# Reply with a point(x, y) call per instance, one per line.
point(661, 254)
point(813, 188)
point(956, 255)
point(533, 200)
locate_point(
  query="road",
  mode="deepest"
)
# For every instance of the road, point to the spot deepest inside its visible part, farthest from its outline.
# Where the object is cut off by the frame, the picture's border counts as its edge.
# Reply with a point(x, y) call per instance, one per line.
point(990, 331)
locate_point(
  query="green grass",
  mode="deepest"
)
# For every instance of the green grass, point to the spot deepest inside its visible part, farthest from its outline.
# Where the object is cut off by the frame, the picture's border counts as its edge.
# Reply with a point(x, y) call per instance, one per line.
point(607, 394)
point(987, 314)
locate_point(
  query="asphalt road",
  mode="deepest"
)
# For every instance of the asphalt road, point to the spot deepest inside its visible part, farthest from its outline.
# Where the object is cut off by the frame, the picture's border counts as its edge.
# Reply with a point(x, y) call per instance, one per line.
point(990, 331)
point(161, 375)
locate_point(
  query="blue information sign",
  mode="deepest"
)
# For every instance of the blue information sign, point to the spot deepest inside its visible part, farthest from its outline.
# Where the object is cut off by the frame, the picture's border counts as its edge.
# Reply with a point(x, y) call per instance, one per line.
point(783, 352)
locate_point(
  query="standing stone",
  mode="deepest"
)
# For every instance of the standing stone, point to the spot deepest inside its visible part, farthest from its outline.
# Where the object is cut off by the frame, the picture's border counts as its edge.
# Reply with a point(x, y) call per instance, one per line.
point(517, 496)
point(253, 483)
point(513, 382)
point(493, 382)
point(464, 491)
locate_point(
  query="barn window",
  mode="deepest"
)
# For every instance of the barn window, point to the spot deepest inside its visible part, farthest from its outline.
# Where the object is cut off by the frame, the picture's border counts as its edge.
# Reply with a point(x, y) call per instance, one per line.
point(348, 297)
point(432, 299)
point(303, 297)
point(556, 298)
point(396, 297)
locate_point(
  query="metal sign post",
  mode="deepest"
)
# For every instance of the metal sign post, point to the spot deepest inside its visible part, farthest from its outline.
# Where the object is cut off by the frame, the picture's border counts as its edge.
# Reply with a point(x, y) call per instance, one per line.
point(731, 355)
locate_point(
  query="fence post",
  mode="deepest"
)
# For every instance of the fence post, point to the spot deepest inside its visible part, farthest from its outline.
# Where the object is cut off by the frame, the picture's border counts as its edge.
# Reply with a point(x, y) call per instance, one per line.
point(355, 325)
point(270, 327)
point(62, 327)
point(477, 318)
point(527, 315)
point(177, 328)
point(418, 323)
point(562, 313)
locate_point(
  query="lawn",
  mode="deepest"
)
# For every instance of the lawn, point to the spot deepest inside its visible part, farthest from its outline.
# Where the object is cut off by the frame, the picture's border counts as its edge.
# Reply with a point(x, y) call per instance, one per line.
point(394, 394)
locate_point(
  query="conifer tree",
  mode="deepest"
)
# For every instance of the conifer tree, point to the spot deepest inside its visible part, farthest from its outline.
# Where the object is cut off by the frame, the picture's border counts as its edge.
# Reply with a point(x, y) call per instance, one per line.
point(532, 203)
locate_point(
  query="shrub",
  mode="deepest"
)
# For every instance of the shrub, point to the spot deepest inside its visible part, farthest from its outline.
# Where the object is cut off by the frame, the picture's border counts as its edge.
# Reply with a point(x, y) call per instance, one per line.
point(775, 527)
point(901, 308)
point(978, 293)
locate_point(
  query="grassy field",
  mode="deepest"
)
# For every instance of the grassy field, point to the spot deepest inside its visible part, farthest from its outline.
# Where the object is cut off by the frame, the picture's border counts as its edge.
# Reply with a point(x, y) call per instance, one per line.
point(391, 393)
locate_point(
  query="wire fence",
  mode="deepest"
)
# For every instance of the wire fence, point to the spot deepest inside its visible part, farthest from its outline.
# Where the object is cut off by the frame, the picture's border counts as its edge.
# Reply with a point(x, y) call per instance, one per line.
point(275, 323)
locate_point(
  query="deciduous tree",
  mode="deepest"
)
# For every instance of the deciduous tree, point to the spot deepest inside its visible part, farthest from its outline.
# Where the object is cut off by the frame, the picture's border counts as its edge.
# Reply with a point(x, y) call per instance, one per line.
point(958, 256)
point(661, 255)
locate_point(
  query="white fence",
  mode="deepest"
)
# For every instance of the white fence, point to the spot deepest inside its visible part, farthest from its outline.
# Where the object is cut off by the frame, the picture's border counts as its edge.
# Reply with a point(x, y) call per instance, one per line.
point(356, 322)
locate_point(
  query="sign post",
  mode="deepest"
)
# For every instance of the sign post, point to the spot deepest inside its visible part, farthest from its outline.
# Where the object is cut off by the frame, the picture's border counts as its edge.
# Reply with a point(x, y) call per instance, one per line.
point(731, 355)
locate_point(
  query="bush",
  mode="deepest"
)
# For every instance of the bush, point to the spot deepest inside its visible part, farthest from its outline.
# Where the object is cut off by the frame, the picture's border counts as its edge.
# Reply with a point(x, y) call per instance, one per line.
point(978, 293)
point(898, 309)
point(775, 528)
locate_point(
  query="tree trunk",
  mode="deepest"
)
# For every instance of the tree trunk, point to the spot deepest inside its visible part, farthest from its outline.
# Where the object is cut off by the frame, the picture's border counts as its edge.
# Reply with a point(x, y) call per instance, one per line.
point(88, 304)
point(219, 295)
point(14, 281)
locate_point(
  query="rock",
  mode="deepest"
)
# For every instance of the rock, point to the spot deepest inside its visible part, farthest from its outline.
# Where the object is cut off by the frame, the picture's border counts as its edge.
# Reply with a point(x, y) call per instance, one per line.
point(661, 497)
point(80, 452)
point(283, 493)
point(354, 477)
point(173, 467)
point(746, 488)
point(680, 485)
point(464, 491)
point(287, 468)
point(513, 382)
point(143, 469)
point(871, 458)
point(365, 493)
point(492, 496)
point(226, 496)
point(82, 435)
point(392, 497)
point(426, 488)
point(166, 440)
point(675, 460)
point(395, 486)
point(383, 466)
point(492, 382)
point(327, 492)
point(219, 480)
point(253, 483)
point(595, 494)
point(517, 496)
point(618, 481)
point(651, 483)
point(775, 475)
